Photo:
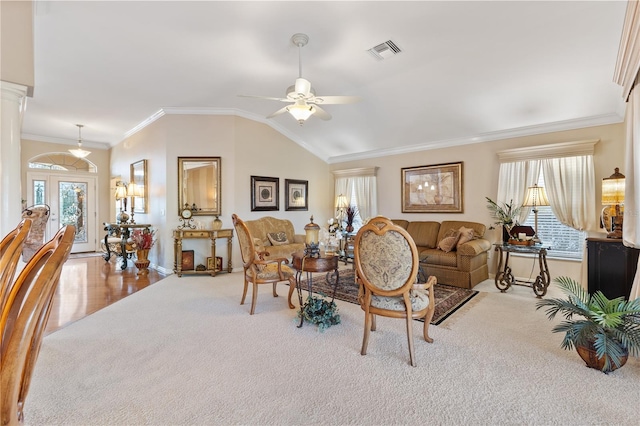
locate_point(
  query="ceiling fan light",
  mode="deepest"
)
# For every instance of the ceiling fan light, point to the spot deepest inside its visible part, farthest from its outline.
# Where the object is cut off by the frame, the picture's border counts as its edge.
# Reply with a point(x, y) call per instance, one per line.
point(301, 112)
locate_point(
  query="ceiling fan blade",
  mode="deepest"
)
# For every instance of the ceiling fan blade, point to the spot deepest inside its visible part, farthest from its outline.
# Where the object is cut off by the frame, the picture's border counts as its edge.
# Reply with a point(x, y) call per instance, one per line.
point(265, 97)
point(320, 113)
point(328, 100)
point(278, 112)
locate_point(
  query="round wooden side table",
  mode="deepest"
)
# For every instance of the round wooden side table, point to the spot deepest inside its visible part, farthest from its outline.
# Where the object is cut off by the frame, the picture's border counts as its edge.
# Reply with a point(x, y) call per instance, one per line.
point(310, 265)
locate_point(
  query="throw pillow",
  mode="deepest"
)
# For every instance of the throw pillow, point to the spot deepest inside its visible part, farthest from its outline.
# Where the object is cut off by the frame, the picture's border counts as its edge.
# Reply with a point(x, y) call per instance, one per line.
point(466, 235)
point(448, 243)
point(278, 238)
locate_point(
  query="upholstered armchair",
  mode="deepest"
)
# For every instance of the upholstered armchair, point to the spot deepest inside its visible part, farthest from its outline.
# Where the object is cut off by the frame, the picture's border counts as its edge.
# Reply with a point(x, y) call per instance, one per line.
point(386, 262)
point(257, 270)
point(39, 214)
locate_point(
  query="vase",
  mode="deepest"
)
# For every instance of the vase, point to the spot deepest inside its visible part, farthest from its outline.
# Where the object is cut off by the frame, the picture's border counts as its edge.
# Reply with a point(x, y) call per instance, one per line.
point(217, 224)
point(589, 356)
point(142, 262)
point(505, 234)
point(349, 228)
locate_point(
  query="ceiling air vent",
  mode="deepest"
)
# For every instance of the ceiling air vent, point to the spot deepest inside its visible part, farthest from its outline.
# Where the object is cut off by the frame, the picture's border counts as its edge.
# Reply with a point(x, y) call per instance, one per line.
point(384, 50)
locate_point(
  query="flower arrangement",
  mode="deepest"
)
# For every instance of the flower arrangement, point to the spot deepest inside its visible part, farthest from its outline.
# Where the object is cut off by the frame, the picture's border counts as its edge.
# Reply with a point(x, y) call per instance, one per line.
point(143, 239)
point(334, 225)
point(351, 213)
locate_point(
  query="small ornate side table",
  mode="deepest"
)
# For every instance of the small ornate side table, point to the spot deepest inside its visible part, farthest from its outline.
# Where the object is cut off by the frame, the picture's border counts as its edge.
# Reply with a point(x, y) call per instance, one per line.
point(302, 264)
point(504, 276)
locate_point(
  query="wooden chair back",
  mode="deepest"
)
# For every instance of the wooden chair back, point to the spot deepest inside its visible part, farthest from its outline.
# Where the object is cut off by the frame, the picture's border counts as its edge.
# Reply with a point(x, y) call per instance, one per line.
point(247, 248)
point(386, 258)
point(23, 321)
point(10, 250)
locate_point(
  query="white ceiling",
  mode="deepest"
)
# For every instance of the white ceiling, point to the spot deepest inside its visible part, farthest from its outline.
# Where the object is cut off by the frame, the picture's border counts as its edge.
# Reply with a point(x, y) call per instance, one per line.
point(469, 71)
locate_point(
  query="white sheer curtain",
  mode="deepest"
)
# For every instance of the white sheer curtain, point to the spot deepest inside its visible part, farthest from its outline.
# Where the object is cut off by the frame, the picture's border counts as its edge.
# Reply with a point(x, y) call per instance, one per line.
point(570, 187)
point(631, 230)
point(366, 194)
point(513, 180)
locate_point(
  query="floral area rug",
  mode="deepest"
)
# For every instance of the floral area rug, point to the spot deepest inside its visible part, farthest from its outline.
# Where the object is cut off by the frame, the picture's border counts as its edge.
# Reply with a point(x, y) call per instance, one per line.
point(448, 298)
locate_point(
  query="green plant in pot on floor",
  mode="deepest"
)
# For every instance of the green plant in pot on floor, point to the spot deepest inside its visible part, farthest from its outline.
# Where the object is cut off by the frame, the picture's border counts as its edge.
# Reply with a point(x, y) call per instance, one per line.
point(605, 331)
point(320, 311)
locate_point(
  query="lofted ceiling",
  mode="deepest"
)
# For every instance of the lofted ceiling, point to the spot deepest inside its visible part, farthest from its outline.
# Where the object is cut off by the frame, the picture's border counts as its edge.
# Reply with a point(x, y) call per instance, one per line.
point(468, 71)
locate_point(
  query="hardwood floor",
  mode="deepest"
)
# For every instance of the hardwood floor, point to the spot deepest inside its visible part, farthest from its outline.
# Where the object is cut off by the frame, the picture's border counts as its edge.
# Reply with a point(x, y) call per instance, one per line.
point(88, 284)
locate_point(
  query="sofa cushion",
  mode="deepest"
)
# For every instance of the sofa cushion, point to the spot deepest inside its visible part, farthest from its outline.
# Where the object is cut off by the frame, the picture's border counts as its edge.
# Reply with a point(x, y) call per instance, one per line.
point(401, 223)
point(278, 238)
point(478, 228)
point(466, 235)
point(449, 242)
point(424, 234)
point(438, 257)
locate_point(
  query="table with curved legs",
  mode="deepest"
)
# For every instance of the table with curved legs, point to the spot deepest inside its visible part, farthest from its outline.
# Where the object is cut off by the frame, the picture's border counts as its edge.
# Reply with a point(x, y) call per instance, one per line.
point(504, 275)
point(309, 265)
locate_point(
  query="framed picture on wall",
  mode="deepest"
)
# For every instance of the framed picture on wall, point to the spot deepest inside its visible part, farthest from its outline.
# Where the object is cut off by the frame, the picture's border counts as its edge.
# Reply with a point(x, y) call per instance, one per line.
point(295, 194)
point(265, 193)
point(432, 189)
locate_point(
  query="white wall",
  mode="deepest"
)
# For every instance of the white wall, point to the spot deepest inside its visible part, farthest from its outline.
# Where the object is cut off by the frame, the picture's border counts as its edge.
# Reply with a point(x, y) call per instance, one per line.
point(246, 148)
point(481, 180)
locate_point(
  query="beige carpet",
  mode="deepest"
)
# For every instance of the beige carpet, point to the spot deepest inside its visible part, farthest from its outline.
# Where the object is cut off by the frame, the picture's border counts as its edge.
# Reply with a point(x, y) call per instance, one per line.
point(183, 351)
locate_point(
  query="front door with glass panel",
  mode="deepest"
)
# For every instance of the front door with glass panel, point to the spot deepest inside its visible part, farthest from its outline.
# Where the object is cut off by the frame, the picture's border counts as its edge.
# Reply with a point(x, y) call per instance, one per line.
point(72, 202)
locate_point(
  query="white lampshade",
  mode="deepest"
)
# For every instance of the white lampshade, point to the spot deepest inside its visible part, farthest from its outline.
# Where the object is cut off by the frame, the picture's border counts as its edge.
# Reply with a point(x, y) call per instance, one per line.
point(536, 196)
point(133, 190)
point(613, 189)
point(341, 202)
point(121, 192)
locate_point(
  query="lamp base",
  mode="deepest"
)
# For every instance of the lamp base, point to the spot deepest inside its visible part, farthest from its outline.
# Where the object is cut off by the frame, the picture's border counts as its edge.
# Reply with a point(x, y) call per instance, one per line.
point(312, 250)
point(122, 217)
point(616, 231)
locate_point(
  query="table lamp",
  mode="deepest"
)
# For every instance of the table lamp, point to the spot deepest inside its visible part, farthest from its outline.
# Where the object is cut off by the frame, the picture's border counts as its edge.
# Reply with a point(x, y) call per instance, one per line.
point(613, 195)
point(536, 196)
point(121, 194)
point(341, 205)
point(312, 244)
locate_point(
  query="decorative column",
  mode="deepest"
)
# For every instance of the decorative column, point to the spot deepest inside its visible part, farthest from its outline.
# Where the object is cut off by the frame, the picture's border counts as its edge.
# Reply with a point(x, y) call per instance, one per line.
point(11, 112)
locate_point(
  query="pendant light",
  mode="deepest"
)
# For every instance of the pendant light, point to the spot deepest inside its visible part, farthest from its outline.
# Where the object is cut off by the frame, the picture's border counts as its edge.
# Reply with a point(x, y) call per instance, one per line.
point(79, 152)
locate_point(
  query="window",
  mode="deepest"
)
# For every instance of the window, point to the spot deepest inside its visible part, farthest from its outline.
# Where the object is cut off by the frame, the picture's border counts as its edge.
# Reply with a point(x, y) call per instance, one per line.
point(565, 242)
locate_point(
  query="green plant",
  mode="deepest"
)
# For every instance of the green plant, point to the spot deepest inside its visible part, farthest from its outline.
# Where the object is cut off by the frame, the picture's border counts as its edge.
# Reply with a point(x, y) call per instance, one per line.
point(351, 212)
point(612, 326)
point(505, 214)
point(320, 311)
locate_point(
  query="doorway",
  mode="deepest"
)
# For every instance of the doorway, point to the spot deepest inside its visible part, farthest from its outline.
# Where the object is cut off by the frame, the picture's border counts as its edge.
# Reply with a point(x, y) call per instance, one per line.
point(72, 199)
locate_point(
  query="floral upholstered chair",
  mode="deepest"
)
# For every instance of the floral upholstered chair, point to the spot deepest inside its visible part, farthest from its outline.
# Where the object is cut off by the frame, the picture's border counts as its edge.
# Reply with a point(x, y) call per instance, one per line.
point(257, 270)
point(386, 262)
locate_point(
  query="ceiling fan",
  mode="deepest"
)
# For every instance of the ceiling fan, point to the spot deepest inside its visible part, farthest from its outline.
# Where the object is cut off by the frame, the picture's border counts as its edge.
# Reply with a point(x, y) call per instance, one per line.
point(304, 101)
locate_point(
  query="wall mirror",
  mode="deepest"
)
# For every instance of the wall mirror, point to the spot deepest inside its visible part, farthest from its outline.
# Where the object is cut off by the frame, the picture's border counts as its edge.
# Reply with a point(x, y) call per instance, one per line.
point(199, 185)
point(140, 197)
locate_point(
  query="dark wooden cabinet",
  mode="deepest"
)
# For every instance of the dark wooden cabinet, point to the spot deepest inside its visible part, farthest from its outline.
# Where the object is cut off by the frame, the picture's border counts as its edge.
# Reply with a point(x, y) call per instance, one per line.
point(612, 266)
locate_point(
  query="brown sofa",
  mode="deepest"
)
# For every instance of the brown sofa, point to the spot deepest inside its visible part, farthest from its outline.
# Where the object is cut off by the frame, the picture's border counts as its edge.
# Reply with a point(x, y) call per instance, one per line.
point(260, 228)
point(464, 266)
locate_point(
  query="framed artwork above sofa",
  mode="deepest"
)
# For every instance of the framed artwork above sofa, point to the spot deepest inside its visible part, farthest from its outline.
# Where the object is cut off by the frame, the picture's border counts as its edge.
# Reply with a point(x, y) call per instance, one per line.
point(432, 189)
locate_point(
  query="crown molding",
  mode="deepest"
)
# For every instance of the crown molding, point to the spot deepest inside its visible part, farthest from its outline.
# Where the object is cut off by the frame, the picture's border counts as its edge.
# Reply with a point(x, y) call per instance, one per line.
point(64, 141)
point(558, 126)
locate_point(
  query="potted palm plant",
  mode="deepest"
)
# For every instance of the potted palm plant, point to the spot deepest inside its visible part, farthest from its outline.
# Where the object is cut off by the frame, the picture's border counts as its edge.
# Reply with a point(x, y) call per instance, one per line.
point(605, 331)
point(506, 216)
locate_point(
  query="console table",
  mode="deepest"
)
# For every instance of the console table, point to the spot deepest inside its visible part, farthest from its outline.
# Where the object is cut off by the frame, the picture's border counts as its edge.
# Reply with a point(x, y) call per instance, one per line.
point(213, 235)
point(302, 264)
point(115, 242)
point(504, 276)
